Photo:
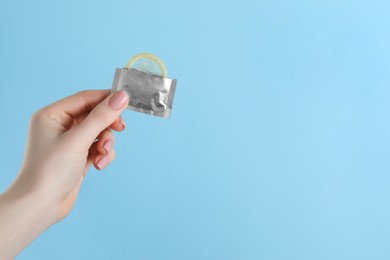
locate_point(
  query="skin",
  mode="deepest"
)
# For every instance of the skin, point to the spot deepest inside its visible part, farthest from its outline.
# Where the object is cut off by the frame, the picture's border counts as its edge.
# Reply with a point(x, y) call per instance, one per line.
point(65, 139)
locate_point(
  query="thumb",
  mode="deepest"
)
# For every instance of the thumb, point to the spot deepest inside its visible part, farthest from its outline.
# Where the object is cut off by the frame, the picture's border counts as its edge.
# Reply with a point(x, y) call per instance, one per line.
point(101, 117)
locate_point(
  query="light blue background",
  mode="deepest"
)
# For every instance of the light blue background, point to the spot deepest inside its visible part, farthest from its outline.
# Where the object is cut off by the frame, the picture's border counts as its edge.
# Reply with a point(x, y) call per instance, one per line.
point(278, 145)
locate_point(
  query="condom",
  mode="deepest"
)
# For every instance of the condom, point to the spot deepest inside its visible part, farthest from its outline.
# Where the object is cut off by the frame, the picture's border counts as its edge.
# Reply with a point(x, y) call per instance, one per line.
point(145, 81)
point(149, 63)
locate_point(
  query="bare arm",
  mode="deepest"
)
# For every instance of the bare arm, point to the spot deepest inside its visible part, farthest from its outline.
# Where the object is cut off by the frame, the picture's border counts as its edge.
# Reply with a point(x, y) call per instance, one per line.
point(61, 148)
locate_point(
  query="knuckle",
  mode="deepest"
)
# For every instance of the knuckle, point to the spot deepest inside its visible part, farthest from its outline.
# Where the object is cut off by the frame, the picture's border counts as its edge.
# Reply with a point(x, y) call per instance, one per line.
point(82, 92)
point(109, 134)
point(82, 96)
point(36, 116)
point(39, 116)
point(112, 155)
point(98, 115)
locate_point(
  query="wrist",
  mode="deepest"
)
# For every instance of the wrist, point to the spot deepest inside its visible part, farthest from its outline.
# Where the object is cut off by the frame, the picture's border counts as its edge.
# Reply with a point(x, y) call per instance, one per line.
point(24, 215)
point(34, 198)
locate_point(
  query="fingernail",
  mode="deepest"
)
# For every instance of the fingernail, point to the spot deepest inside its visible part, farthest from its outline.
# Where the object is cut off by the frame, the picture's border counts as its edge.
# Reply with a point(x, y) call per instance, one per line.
point(102, 162)
point(108, 145)
point(118, 100)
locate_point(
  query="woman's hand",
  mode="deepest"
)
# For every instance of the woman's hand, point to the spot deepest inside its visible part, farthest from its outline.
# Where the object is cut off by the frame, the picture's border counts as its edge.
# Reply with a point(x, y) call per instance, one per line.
point(65, 138)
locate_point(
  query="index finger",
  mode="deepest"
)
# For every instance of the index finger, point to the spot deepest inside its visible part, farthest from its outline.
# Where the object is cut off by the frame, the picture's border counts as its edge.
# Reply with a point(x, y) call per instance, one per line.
point(79, 103)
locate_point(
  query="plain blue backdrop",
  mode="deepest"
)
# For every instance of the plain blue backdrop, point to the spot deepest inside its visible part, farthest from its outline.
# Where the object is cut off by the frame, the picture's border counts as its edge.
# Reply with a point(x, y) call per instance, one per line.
point(278, 145)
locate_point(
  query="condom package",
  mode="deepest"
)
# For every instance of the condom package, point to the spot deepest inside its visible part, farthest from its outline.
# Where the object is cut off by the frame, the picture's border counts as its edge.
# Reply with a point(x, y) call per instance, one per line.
point(149, 90)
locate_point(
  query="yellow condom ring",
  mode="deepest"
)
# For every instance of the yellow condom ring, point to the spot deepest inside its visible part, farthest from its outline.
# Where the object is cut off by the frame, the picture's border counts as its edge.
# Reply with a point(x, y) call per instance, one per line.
point(148, 56)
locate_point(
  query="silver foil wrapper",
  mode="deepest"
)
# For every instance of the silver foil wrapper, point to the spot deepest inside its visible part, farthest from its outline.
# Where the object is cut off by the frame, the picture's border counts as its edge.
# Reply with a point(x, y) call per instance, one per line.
point(148, 93)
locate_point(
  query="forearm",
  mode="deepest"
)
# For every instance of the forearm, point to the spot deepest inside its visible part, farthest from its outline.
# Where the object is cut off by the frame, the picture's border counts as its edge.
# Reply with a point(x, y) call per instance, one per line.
point(24, 215)
point(61, 147)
